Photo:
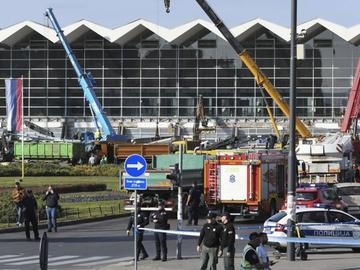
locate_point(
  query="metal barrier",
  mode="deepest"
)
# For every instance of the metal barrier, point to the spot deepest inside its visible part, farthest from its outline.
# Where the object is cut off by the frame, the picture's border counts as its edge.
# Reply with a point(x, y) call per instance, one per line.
point(71, 213)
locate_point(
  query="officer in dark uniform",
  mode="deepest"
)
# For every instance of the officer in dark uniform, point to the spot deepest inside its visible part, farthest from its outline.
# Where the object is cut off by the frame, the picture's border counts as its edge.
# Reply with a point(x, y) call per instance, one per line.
point(209, 242)
point(160, 220)
point(141, 221)
point(227, 246)
point(193, 202)
point(29, 211)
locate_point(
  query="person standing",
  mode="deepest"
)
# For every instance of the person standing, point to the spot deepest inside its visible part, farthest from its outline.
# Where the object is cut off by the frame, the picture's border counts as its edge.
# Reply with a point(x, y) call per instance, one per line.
point(160, 220)
point(141, 222)
point(18, 194)
point(262, 252)
point(193, 202)
point(51, 199)
point(30, 216)
point(227, 246)
point(250, 259)
point(208, 243)
point(92, 160)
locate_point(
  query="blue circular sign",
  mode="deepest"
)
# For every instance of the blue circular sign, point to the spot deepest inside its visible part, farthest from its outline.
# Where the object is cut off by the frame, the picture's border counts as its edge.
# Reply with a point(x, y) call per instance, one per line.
point(135, 165)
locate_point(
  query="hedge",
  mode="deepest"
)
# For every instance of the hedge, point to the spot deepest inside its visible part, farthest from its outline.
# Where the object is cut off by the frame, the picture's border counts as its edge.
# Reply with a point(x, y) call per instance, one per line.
point(61, 189)
point(52, 169)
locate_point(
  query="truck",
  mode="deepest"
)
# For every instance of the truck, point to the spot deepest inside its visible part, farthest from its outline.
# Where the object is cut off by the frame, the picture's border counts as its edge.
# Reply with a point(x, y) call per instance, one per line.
point(325, 159)
point(160, 188)
point(50, 150)
point(250, 184)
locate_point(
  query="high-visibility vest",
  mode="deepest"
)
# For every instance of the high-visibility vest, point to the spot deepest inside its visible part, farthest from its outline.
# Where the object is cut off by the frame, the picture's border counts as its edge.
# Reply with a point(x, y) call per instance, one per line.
point(244, 264)
point(97, 135)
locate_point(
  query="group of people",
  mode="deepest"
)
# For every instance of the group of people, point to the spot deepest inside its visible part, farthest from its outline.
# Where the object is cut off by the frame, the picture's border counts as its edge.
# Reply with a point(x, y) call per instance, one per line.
point(215, 240)
point(160, 220)
point(27, 209)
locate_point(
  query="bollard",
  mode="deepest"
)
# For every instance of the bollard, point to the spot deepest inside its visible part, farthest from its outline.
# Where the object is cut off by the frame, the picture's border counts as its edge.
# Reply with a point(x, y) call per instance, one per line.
point(44, 252)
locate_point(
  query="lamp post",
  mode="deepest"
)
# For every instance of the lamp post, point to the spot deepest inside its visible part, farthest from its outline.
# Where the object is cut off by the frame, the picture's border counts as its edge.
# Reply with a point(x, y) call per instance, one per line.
point(292, 155)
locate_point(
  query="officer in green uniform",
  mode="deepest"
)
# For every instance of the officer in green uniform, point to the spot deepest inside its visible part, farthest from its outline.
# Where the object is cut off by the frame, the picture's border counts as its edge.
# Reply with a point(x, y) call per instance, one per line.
point(250, 259)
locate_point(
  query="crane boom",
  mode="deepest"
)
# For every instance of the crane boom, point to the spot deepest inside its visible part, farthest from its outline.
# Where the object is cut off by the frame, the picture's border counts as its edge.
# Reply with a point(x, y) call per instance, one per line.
point(353, 105)
point(86, 83)
point(260, 77)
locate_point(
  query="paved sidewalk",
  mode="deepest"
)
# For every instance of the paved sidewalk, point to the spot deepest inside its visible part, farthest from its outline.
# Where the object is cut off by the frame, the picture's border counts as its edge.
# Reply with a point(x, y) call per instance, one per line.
point(330, 260)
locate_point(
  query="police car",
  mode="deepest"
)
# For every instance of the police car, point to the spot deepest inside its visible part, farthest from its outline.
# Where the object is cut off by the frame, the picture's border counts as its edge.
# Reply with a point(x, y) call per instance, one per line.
point(314, 222)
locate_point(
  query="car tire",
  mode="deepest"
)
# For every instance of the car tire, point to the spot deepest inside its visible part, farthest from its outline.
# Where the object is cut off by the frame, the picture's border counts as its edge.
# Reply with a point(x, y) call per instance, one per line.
point(356, 250)
point(281, 249)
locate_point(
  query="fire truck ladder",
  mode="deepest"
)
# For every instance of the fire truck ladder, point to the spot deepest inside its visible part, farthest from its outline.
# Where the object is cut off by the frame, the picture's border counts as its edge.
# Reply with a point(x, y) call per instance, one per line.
point(213, 186)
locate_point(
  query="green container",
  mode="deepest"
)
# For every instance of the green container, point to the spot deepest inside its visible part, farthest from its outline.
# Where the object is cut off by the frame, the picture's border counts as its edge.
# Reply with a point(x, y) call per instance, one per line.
point(190, 161)
point(50, 150)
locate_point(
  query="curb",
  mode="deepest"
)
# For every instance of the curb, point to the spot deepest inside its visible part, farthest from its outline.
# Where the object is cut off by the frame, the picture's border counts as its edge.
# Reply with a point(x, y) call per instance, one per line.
point(67, 223)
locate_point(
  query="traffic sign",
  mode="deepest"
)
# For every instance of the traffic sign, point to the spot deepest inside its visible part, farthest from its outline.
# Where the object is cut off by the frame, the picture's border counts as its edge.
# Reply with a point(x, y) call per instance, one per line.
point(135, 165)
point(135, 183)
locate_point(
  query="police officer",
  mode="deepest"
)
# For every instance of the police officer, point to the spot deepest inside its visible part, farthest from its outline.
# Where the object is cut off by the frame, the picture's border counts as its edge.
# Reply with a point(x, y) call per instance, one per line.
point(250, 259)
point(209, 241)
point(193, 202)
point(30, 208)
point(227, 246)
point(160, 220)
point(141, 221)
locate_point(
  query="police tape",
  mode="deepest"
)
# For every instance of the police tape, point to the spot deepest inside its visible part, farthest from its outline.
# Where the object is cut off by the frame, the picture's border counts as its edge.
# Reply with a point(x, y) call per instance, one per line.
point(302, 225)
point(321, 240)
point(184, 233)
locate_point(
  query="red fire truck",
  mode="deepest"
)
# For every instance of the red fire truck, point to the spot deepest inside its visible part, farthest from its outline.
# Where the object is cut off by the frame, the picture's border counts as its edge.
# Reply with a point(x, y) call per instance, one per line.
point(251, 184)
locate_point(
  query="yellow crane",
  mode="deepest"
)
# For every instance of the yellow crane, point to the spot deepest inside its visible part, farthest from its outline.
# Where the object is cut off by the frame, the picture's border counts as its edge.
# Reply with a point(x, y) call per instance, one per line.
point(261, 79)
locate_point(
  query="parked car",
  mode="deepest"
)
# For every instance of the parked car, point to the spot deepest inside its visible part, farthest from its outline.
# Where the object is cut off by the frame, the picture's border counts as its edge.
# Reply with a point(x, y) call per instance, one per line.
point(350, 194)
point(324, 197)
point(314, 222)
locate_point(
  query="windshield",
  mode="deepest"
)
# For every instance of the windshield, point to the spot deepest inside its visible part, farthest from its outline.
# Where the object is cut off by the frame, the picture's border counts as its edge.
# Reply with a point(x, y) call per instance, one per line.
point(330, 194)
point(277, 217)
point(344, 191)
point(306, 196)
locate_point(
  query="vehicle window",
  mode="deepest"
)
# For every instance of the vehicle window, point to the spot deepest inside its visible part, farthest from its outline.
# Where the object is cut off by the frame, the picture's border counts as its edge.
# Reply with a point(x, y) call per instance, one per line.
point(306, 196)
point(335, 217)
point(329, 194)
point(311, 217)
point(277, 217)
point(345, 191)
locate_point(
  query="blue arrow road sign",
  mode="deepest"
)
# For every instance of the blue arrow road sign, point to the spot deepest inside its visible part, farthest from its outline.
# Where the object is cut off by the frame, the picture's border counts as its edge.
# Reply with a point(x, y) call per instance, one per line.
point(135, 183)
point(135, 165)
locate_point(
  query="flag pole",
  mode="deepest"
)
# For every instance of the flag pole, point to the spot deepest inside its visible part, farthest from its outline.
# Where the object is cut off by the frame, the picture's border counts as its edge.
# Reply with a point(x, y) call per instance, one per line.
point(22, 129)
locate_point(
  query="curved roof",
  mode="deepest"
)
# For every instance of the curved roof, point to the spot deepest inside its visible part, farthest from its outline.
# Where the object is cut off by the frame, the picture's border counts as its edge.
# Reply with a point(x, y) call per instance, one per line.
point(178, 35)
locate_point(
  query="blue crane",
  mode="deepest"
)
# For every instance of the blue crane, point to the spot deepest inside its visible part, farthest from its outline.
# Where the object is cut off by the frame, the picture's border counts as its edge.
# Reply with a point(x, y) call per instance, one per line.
point(86, 82)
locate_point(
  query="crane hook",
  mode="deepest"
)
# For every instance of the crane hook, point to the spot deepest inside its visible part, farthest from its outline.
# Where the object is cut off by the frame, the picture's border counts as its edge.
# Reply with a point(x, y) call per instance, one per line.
point(167, 5)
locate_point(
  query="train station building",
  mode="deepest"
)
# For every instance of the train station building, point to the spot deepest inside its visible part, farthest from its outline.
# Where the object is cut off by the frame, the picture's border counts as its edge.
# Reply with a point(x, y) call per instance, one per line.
point(146, 73)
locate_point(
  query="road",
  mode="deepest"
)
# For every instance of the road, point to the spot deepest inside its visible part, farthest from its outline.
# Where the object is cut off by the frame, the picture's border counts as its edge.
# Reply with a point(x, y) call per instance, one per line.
point(105, 245)
point(87, 246)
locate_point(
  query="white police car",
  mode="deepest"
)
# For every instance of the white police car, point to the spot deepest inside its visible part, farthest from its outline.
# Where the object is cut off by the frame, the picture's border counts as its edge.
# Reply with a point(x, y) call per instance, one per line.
point(314, 223)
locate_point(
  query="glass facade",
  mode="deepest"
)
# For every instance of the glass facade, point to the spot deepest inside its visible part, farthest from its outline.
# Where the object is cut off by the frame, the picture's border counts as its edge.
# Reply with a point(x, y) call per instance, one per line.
point(148, 78)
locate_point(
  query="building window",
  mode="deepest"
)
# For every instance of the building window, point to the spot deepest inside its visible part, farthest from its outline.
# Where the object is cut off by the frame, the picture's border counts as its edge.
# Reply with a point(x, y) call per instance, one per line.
point(150, 44)
point(207, 43)
point(323, 43)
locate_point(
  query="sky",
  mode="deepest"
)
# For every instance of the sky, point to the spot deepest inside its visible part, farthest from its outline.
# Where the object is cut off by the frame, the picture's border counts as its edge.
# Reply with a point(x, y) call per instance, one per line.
point(114, 13)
